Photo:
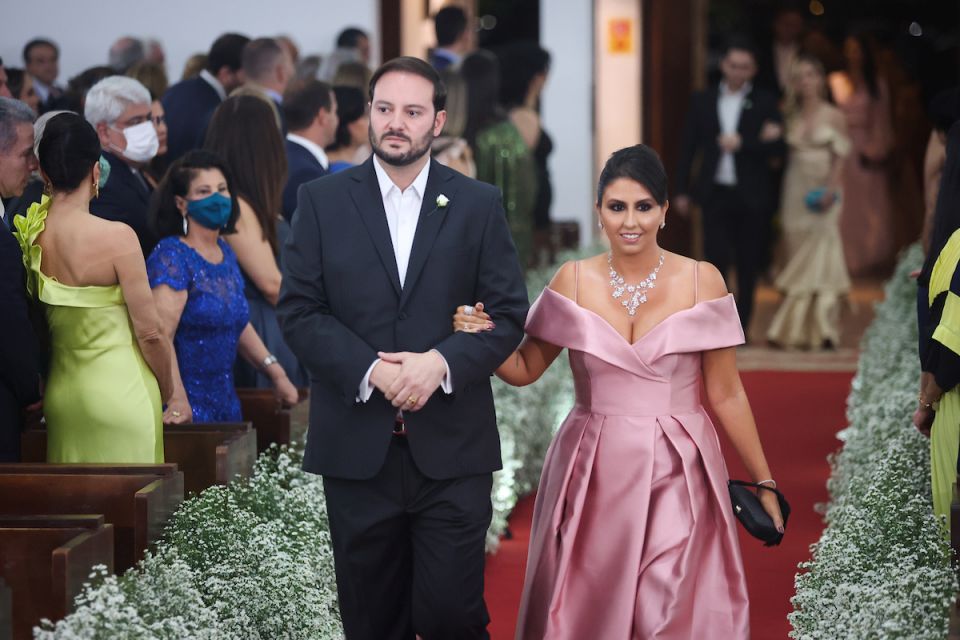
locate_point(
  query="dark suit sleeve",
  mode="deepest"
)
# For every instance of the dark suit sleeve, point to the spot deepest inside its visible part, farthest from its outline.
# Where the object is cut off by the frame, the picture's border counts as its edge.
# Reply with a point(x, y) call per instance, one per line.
point(473, 357)
point(324, 345)
point(767, 111)
point(18, 349)
point(688, 148)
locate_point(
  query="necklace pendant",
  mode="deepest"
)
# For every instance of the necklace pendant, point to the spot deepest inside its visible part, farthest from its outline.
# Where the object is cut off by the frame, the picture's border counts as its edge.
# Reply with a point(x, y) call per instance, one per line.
point(636, 294)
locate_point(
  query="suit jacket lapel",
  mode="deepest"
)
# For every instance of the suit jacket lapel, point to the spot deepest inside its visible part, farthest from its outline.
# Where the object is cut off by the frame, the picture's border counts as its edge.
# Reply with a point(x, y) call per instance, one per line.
point(428, 226)
point(365, 192)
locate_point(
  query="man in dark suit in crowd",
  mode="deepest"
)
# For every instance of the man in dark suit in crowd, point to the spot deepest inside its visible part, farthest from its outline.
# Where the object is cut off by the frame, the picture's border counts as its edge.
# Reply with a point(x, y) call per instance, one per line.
point(41, 59)
point(19, 375)
point(268, 67)
point(402, 426)
point(311, 114)
point(454, 39)
point(119, 109)
point(190, 104)
point(776, 60)
point(736, 132)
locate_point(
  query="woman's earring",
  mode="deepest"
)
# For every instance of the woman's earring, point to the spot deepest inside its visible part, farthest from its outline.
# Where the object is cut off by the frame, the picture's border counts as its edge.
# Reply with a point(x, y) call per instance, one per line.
point(96, 189)
point(663, 224)
point(184, 225)
point(600, 224)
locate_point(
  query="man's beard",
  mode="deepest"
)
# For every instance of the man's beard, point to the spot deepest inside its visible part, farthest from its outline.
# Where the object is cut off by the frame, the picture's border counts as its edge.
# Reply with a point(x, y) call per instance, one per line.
point(400, 159)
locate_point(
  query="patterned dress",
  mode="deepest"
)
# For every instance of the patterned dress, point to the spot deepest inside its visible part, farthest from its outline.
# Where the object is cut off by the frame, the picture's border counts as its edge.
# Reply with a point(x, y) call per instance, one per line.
point(215, 315)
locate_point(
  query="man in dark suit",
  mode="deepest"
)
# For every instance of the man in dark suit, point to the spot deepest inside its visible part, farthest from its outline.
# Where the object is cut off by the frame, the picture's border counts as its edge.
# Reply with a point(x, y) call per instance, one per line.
point(403, 427)
point(454, 39)
point(736, 132)
point(119, 109)
point(19, 375)
point(268, 69)
point(190, 103)
point(311, 114)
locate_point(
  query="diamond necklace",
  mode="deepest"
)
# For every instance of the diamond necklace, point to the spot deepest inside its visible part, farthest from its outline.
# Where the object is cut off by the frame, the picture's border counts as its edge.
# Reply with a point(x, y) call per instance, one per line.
point(636, 294)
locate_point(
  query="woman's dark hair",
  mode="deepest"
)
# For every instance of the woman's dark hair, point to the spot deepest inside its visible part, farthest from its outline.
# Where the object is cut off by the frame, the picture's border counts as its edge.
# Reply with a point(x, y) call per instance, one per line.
point(15, 79)
point(868, 65)
point(165, 218)
point(481, 73)
point(243, 132)
point(350, 107)
point(416, 66)
point(520, 63)
point(946, 214)
point(68, 150)
point(639, 163)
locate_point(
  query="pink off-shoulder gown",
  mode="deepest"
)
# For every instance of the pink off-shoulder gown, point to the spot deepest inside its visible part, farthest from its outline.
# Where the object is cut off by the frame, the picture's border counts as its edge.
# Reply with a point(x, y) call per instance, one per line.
point(633, 534)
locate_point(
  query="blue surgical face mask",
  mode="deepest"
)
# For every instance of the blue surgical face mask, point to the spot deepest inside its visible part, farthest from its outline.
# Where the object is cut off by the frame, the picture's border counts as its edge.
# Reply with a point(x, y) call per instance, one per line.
point(213, 212)
point(104, 173)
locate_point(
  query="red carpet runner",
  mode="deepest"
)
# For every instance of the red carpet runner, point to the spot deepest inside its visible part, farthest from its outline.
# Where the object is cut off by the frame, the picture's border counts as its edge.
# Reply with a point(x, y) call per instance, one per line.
point(798, 415)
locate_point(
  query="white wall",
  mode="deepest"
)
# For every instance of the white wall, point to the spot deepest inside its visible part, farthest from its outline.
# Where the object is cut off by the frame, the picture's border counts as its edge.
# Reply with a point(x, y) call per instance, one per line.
point(618, 81)
point(85, 31)
point(565, 31)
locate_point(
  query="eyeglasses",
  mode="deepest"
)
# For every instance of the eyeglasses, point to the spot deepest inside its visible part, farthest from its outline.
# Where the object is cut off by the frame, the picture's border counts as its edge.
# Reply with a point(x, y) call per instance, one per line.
point(132, 122)
point(159, 120)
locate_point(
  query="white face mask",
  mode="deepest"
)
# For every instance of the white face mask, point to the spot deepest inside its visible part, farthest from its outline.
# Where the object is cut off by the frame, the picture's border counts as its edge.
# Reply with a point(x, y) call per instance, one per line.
point(142, 142)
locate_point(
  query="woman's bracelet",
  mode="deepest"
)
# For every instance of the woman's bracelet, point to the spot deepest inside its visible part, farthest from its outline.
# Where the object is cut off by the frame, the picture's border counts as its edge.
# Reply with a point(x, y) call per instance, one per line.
point(266, 362)
point(771, 482)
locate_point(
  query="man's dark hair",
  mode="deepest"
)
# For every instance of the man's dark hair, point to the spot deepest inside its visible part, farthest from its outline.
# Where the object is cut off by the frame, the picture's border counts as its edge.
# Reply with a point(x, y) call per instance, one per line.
point(639, 163)
point(740, 43)
point(449, 23)
point(349, 38)
point(301, 105)
point(38, 42)
point(416, 66)
point(164, 217)
point(226, 51)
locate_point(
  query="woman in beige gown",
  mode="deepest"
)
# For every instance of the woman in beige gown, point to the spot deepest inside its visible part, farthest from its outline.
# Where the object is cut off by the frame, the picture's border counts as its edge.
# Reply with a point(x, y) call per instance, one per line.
point(814, 279)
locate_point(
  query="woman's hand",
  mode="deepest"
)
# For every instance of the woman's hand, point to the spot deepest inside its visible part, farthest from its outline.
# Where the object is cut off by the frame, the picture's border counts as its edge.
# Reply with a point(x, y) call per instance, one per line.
point(472, 319)
point(770, 504)
point(178, 411)
point(923, 419)
point(827, 199)
point(284, 390)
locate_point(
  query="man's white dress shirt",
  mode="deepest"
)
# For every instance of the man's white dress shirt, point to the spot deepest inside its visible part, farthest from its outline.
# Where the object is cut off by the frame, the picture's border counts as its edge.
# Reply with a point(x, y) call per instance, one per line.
point(211, 80)
point(311, 146)
point(403, 214)
point(729, 108)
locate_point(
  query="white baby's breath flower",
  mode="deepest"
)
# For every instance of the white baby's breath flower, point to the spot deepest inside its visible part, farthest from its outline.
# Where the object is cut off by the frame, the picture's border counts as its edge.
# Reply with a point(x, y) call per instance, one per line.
point(442, 201)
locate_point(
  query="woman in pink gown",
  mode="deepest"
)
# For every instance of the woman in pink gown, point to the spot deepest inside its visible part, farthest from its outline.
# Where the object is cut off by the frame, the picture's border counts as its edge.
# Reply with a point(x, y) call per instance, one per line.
point(633, 534)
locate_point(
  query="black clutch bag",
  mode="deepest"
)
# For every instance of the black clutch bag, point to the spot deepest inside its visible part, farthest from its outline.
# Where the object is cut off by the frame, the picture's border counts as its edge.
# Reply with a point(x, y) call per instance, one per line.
point(751, 514)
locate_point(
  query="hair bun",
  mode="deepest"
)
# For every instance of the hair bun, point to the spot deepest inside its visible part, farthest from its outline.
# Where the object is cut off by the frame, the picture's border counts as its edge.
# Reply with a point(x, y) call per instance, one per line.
point(68, 150)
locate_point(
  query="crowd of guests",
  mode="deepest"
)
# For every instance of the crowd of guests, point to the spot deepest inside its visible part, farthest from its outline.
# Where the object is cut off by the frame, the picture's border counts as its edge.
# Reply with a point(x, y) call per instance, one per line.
point(187, 191)
point(792, 156)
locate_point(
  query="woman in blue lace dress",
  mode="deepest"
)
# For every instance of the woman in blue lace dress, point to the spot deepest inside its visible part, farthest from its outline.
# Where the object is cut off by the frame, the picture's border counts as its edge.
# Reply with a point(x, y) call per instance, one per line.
point(198, 289)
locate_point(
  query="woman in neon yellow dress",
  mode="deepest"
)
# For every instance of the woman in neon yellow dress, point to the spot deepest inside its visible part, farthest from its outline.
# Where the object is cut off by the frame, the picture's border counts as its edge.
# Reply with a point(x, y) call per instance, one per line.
point(938, 414)
point(103, 400)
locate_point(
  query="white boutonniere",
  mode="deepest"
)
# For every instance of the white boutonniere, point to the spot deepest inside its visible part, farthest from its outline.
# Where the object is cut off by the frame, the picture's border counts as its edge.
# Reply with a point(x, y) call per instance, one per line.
point(442, 201)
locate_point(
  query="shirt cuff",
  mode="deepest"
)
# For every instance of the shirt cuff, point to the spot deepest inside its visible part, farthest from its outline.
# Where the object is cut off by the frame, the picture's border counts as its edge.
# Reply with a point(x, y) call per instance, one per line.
point(366, 389)
point(447, 383)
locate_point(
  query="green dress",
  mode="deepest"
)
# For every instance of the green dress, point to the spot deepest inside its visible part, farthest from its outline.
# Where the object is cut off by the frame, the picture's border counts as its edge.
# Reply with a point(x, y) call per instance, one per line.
point(940, 359)
point(504, 161)
point(102, 402)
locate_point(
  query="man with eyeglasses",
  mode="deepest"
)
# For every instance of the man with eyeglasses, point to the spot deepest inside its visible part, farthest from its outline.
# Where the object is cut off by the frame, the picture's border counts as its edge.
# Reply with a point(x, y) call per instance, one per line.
point(120, 110)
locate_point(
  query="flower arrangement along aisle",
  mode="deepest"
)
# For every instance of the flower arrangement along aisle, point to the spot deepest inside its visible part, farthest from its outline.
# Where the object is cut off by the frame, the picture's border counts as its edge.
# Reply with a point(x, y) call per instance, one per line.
point(882, 568)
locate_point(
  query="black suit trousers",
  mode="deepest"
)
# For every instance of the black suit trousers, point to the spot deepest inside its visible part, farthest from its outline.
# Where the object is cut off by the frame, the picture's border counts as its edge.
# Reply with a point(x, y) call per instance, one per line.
point(733, 234)
point(409, 551)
